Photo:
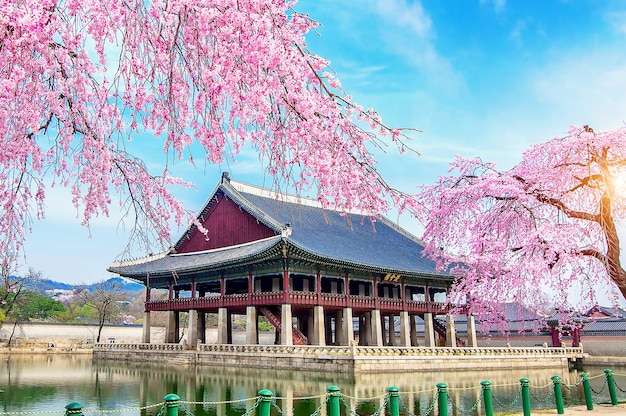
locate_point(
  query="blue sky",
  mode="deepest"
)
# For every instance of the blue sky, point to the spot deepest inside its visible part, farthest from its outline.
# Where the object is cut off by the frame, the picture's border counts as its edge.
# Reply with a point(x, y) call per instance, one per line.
point(481, 78)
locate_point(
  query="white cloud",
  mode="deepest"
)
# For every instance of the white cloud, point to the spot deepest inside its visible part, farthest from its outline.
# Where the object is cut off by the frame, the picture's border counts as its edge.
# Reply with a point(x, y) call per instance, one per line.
point(617, 21)
point(498, 5)
point(403, 14)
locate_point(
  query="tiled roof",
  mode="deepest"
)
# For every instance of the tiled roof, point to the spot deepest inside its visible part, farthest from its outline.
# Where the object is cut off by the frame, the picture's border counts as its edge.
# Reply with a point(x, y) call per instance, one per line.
point(193, 261)
point(606, 326)
point(348, 239)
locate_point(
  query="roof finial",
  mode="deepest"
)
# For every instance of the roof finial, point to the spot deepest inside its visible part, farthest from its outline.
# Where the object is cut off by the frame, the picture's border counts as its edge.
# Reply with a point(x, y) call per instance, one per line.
point(225, 177)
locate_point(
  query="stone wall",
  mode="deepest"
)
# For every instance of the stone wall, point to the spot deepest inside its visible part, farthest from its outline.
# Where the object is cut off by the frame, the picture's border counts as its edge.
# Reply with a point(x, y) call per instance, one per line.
point(83, 336)
point(352, 359)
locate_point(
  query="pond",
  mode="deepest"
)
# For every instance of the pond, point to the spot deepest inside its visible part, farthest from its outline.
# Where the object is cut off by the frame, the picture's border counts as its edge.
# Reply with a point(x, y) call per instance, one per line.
point(46, 383)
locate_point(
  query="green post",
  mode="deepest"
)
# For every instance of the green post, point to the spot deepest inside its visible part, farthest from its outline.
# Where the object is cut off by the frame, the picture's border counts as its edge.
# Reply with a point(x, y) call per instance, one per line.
point(525, 395)
point(486, 385)
point(265, 403)
point(394, 407)
point(442, 398)
point(74, 408)
point(611, 383)
point(171, 404)
point(333, 401)
point(587, 390)
point(558, 394)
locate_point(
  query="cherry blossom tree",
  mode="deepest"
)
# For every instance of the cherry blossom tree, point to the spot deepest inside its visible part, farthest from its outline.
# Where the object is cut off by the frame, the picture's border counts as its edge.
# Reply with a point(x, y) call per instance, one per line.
point(81, 79)
point(548, 225)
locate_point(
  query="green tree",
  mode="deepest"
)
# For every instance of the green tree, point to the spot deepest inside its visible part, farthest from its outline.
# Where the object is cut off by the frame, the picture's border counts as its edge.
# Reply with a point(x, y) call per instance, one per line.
point(33, 306)
point(11, 288)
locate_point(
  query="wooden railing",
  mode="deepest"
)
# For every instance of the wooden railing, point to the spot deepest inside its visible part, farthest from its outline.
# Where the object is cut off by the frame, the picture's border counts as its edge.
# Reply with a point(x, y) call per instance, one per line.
point(310, 299)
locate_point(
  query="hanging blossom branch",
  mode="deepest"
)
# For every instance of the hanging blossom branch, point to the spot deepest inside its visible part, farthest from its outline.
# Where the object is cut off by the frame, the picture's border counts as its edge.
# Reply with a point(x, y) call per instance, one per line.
point(81, 79)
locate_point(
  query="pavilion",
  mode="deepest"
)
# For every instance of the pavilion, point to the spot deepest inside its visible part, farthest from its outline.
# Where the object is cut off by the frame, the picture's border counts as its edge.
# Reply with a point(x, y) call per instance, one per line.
point(314, 273)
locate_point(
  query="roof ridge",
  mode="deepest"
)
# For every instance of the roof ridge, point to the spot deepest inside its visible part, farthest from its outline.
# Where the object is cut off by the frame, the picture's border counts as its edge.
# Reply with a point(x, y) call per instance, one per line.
point(274, 194)
point(215, 250)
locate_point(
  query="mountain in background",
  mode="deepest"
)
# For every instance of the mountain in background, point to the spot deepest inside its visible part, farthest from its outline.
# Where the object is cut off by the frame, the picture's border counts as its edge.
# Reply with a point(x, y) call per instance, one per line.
point(45, 286)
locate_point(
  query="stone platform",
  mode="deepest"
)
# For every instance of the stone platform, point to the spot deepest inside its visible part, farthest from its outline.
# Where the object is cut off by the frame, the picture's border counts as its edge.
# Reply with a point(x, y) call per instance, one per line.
point(349, 359)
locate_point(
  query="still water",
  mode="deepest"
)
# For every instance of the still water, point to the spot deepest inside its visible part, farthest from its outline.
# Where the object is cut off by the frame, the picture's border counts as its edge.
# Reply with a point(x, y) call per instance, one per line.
point(46, 383)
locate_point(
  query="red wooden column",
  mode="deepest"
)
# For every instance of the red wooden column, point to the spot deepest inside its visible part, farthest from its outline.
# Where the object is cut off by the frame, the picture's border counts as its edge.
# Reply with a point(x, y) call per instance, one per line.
point(285, 275)
point(285, 286)
point(318, 287)
point(376, 300)
point(347, 283)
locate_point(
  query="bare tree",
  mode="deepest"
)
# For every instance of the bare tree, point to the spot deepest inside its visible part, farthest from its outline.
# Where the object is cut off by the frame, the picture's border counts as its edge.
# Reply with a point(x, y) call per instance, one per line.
point(105, 297)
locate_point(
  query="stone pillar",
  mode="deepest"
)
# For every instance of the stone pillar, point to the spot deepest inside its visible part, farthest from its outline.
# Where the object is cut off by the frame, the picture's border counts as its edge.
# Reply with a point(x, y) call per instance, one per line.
point(367, 323)
point(429, 330)
point(192, 338)
point(318, 332)
point(286, 333)
point(405, 335)
point(413, 330)
point(348, 327)
point(252, 333)
point(471, 331)
point(229, 328)
point(377, 331)
point(362, 330)
point(223, 325)
point(328, 326)
point(392, 330)
point(339, 328)
point(171, 328)
point(450, 331)
point(145, 336)
point(202, 327)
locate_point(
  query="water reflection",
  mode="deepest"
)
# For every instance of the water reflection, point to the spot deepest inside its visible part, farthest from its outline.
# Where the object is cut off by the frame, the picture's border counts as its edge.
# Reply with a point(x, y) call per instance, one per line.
point(49, 382)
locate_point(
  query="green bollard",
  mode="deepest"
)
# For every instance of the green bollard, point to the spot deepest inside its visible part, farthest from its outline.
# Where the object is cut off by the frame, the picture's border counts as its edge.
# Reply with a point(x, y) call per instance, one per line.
point(394, 407)
point(442, 398)
point(171, 404)
point(74, 408)
point(611, 383)
point(587, 391)
point(558, 394)
point(265, 403)
point(486, 385)
point(525, 395)
point(333, 401)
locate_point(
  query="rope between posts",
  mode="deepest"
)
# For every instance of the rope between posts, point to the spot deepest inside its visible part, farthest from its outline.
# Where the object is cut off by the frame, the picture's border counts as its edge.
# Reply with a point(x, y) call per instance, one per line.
point(319, 396)
point(222, 402)
point(571, 386)
point(418, 392)
point(365, 398)
point(433, 403)
point(464, 388)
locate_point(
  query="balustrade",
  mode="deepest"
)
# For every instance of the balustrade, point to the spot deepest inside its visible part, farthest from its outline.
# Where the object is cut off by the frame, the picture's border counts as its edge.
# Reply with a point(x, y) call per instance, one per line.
point(300, 298)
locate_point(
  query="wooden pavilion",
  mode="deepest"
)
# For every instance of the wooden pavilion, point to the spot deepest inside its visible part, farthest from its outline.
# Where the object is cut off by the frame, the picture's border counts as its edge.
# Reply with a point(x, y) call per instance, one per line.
point(314, 273)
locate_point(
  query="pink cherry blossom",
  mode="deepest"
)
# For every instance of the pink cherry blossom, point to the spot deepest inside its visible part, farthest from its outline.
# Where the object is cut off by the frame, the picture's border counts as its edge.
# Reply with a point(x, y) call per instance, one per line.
point(80, 78)
point(545, 227)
